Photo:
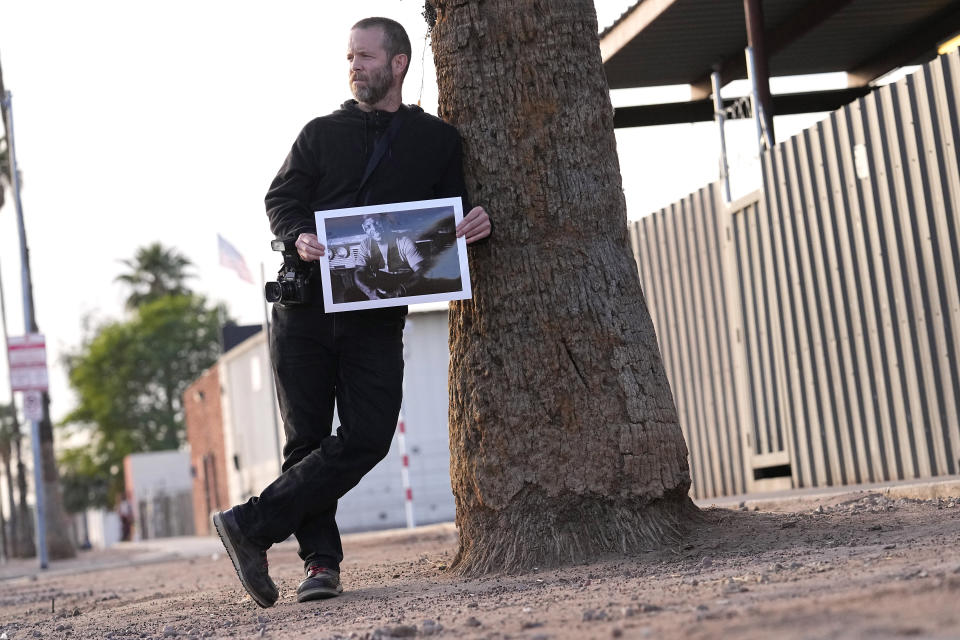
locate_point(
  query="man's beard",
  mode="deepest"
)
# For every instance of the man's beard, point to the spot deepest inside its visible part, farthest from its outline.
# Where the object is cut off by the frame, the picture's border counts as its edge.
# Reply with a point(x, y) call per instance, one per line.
point(376, 85)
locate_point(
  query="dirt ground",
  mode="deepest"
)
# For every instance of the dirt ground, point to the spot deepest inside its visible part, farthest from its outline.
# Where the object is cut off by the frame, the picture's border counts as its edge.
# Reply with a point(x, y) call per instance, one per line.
point(861, 565)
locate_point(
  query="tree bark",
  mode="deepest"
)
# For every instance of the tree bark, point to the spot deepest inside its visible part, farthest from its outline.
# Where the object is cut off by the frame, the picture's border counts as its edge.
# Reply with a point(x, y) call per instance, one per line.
point(11, 499)
point(565, 441)
point(19, 544)
point(59, 543)
point(6, 550)
point(23, 536)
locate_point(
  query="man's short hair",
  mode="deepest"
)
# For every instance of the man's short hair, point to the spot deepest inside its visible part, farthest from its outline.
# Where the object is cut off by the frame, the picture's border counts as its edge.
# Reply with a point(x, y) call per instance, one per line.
point(395, 39)
point(379, 217)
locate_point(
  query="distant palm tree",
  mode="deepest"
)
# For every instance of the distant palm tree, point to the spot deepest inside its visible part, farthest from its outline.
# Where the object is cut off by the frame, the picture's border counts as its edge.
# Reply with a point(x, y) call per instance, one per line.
point(6, 439)
point(155, 271)
point(5, 174)
point(4, 170)
point(20, 542)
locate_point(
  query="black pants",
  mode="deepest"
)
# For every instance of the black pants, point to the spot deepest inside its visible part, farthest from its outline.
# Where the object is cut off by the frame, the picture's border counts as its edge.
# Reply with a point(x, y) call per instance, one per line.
point(356, 359)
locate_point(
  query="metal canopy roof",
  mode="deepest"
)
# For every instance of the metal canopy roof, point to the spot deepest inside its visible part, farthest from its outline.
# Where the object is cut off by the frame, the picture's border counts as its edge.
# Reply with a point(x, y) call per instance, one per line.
point(663, 42)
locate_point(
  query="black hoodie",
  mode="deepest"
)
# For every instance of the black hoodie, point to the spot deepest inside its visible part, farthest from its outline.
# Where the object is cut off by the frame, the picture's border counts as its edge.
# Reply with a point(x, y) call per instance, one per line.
point(326, 164)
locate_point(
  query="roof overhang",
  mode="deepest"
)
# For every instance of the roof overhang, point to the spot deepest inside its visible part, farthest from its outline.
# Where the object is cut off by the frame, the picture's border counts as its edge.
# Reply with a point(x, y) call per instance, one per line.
point(670, 42)
point(784, 104)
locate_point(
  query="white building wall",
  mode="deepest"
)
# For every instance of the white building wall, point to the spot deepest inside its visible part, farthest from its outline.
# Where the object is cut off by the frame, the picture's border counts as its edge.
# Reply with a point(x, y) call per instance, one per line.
point(426, 405)
point(377, 502)
point(103, 527)
point(160, 471)
point(252, 431)
point(160, 484)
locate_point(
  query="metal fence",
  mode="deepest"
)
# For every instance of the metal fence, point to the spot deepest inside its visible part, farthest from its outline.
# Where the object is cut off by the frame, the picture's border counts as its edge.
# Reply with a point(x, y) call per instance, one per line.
point(688, 284)
point(165, 515)
point(811, 331)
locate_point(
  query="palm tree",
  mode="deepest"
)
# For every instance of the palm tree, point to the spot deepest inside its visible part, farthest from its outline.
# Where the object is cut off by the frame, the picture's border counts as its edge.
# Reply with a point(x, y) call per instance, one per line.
point(6, 442)
point(20, 543)
point(4, 170)
point(155, 271)
point(565, 442)
point(4, 156)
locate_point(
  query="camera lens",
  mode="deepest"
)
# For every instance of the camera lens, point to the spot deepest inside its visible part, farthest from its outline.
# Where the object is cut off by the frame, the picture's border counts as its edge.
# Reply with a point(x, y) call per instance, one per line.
point(272, 291)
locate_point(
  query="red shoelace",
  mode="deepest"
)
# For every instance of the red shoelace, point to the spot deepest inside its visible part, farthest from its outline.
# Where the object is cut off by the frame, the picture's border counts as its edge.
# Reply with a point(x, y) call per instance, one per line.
point(315, 569)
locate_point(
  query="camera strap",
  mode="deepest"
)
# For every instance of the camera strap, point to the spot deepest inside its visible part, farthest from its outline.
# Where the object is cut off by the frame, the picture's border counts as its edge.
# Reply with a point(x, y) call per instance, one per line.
point(380, 150)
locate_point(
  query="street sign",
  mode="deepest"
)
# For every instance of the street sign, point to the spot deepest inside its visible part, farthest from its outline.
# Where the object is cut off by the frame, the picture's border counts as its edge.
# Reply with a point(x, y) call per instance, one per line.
point(28, 362)
point(33, 405)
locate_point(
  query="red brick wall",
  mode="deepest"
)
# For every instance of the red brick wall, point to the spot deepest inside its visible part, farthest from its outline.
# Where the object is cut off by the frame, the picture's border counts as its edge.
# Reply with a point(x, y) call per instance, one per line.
point(204, 418)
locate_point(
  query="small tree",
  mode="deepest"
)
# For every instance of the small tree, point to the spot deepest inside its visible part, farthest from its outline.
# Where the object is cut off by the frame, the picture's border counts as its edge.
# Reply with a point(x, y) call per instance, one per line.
point(129, 378)
point(85, 485)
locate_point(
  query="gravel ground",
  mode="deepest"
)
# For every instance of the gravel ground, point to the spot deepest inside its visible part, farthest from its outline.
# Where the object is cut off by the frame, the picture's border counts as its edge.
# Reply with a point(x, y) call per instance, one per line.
point(860, 565)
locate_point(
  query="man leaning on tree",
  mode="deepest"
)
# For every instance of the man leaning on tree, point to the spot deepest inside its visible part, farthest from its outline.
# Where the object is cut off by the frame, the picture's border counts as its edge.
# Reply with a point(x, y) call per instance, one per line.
point(354, 358)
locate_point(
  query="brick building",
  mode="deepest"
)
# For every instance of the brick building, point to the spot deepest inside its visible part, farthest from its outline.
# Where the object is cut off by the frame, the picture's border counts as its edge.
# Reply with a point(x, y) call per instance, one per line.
point(208, 457)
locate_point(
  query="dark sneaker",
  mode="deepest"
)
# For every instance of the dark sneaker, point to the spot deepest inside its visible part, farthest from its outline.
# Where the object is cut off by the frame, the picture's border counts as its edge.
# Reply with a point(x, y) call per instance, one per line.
point(319, 584)
point(248, 559)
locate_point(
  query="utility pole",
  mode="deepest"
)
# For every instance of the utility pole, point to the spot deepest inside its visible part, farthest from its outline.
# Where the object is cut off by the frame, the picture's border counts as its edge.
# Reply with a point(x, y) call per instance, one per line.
point(720, 116)
point(23, 542)
point(30, 326)
point(759, 71)
point(47, 490)
point(273, 382)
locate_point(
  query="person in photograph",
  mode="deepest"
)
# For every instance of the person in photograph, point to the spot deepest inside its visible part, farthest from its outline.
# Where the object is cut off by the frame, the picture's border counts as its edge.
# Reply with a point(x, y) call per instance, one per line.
point(352, 358)
point(388, 265)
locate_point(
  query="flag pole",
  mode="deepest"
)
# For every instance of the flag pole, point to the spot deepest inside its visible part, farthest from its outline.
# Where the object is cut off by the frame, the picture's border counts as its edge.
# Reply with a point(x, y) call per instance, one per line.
point(273, 382)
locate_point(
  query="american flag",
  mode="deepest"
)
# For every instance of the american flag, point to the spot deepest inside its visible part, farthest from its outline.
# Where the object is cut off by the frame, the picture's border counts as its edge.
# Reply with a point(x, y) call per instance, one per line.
point(231, 259)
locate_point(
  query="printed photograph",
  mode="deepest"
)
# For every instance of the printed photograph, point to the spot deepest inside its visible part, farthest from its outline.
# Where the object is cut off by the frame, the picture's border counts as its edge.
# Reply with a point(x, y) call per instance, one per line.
point(391, 255)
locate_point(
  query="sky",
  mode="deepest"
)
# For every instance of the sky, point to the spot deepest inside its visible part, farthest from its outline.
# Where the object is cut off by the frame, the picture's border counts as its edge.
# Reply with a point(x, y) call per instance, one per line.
point(149, 121)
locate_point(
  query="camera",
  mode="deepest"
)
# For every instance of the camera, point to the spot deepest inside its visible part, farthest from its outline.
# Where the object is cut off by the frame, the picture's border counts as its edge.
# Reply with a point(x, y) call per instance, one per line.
point(293, 279)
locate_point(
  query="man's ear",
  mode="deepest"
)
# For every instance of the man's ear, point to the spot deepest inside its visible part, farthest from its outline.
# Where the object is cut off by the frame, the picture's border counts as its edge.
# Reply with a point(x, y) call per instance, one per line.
point(400, 63)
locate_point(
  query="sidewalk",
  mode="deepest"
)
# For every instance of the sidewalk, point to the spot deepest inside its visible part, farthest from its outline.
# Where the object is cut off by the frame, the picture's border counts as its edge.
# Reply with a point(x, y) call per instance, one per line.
point(921, 489)
point(142, 552)
point(119, 555)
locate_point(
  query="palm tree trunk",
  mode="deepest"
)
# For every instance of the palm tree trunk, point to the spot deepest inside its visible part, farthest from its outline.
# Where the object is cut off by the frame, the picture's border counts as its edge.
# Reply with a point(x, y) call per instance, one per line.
point(59, 543)
point(565, 441)
point(19, 544)
point(11, 502)
point(23, 537)
point(6, 548)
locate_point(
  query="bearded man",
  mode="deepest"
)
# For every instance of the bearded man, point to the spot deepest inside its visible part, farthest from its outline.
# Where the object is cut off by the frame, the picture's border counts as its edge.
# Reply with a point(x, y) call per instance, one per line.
point(353, 358)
